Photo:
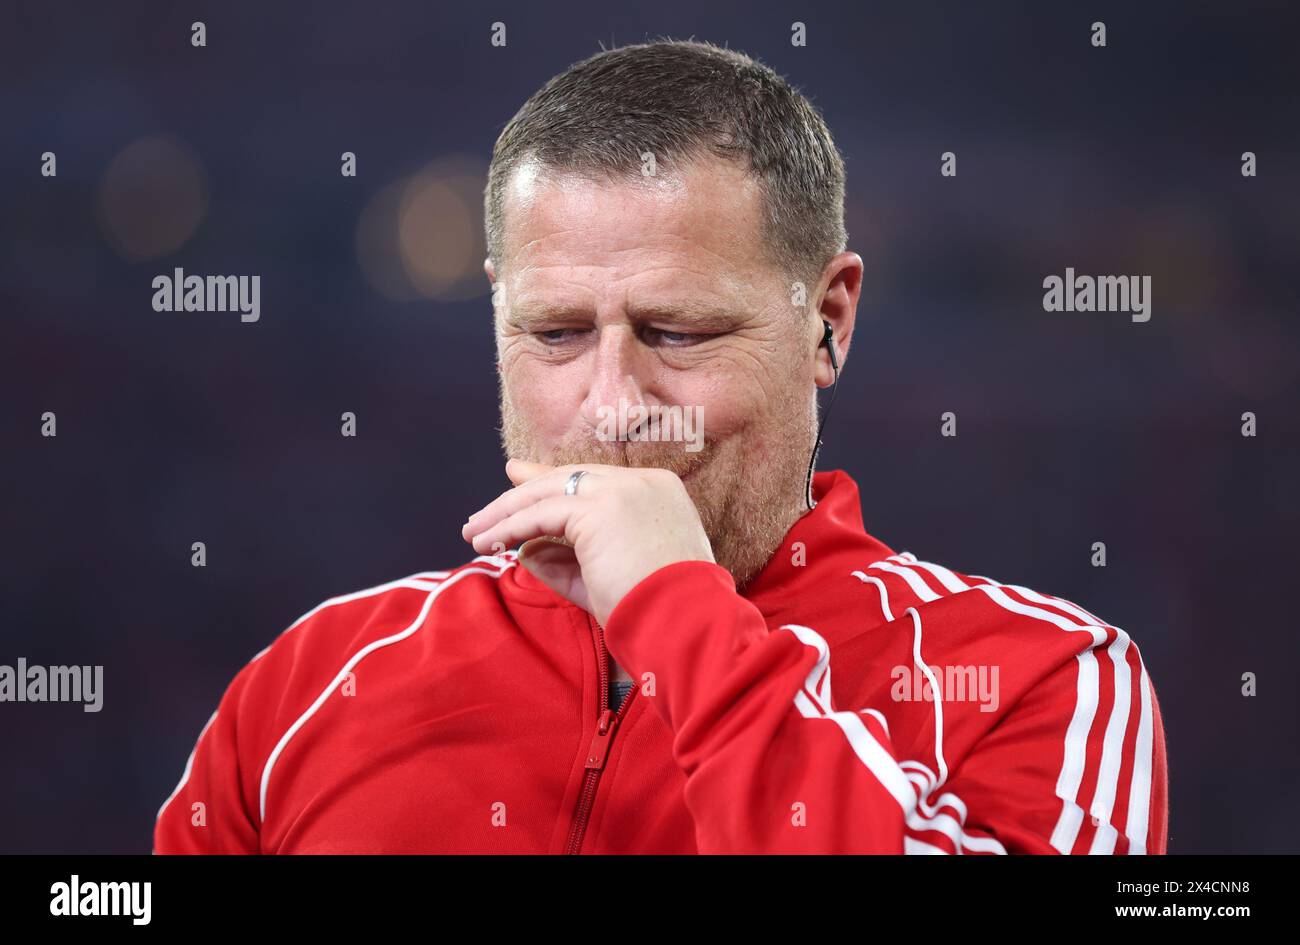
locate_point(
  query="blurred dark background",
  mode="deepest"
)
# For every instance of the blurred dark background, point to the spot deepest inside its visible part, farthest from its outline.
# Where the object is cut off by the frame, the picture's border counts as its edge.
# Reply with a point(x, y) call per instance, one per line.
point(1073, 427)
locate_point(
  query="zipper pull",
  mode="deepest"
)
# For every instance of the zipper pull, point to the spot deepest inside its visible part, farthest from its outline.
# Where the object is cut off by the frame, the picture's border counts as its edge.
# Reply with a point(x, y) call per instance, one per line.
point(600, 743)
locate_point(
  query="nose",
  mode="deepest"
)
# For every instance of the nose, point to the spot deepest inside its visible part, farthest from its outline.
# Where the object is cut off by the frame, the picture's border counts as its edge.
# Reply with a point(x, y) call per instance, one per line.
point(616, 375)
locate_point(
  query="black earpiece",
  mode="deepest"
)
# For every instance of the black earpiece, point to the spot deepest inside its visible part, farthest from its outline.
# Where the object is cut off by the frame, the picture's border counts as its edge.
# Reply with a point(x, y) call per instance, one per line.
point(828, 339)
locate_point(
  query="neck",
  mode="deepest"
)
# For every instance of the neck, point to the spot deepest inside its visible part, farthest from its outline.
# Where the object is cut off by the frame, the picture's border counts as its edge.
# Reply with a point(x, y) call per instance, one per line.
point(750, 556)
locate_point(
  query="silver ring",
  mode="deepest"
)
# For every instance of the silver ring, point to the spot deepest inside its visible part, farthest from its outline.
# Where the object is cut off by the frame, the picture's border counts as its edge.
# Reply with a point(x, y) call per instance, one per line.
point(571, 487)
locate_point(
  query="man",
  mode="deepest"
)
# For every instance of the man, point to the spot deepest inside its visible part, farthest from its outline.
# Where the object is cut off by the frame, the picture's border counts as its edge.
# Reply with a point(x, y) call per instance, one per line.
point(665, 230)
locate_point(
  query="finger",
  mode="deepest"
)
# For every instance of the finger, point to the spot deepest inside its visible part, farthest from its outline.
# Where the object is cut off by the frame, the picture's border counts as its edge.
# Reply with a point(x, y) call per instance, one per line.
point(512, 500)
point(522, 470)
point(556, 566)
point(547, 517)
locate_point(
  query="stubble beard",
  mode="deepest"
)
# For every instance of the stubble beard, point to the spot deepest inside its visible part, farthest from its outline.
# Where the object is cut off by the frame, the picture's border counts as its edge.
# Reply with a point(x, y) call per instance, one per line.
point(747, 493)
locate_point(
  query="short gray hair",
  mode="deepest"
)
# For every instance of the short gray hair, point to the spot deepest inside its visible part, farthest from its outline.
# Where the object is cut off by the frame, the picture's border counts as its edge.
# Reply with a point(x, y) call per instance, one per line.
point(681, 100)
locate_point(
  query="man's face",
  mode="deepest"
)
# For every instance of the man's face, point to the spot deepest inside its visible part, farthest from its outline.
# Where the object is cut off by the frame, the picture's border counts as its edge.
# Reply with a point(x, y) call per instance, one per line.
point(658, 293)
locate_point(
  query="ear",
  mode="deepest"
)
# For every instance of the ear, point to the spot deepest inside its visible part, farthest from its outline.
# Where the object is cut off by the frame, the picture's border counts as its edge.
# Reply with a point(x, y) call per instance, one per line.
point(490, 269)
point(839, 306)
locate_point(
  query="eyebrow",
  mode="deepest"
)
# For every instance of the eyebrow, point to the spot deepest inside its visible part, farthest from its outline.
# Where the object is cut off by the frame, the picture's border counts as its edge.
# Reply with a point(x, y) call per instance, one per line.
point(696, 311)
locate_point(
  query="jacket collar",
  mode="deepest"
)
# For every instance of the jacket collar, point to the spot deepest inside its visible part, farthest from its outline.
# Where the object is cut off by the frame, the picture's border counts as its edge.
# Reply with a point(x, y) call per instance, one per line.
point(825, 545)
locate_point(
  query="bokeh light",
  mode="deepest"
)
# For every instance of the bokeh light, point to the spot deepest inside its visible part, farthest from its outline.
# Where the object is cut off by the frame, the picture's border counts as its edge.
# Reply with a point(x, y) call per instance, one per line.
point(152, 198)
point(421, 237)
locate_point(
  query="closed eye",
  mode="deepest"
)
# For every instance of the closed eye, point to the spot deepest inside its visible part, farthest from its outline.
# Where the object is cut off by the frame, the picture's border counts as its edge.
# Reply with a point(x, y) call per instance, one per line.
point(674, 339)
point(651, 336)
point(557, 336)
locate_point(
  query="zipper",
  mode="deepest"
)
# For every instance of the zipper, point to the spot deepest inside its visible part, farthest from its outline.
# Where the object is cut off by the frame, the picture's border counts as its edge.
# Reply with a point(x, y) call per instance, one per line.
point(606, 725)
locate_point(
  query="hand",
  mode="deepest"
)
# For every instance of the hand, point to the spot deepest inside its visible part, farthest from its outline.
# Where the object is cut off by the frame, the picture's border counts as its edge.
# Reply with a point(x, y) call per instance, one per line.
point(621, 526)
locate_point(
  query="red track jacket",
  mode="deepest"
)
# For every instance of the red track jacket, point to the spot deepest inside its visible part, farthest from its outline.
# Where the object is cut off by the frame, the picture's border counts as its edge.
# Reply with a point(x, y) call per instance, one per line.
point(850, 700)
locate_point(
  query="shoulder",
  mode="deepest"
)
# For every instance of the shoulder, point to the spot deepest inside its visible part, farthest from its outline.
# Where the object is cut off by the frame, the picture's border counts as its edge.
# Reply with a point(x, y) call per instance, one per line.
point(335, 630)
point(285, 683)
point(1068, 694)
point(968, 610)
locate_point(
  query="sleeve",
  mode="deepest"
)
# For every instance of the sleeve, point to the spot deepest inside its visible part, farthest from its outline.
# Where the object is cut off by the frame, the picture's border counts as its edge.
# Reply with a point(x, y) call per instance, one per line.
point(209, 811)
point(772, 765)
point(1072, 768)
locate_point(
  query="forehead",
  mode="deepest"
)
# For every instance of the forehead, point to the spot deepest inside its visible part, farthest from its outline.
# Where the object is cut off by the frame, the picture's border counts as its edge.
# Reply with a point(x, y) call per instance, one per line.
point(699, 224)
